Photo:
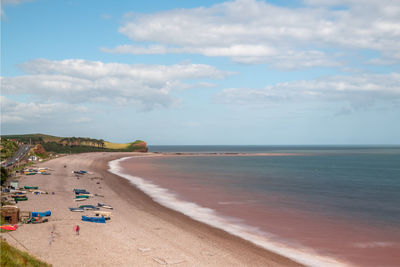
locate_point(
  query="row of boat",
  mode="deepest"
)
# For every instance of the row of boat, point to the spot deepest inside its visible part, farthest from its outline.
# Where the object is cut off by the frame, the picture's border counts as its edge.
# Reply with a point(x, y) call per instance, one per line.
point(101, 216)
point(43, 171)
point(91, 207)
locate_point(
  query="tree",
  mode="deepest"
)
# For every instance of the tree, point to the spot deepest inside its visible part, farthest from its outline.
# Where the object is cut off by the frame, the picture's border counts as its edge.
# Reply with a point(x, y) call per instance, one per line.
point(4, 175)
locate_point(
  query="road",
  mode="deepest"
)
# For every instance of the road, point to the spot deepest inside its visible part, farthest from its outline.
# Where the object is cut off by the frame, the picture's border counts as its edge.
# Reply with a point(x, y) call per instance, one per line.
point(18, 156)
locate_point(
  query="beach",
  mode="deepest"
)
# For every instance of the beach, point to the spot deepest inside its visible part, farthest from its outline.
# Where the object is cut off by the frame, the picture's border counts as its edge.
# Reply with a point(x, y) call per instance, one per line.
point(141, 232)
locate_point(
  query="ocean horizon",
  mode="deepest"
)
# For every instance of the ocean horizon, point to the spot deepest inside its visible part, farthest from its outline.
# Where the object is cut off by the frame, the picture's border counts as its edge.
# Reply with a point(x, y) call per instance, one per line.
point(263, 148)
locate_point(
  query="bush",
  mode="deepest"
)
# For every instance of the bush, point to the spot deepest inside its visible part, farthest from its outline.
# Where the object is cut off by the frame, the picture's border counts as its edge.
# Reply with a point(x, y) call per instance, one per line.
point(4, 175)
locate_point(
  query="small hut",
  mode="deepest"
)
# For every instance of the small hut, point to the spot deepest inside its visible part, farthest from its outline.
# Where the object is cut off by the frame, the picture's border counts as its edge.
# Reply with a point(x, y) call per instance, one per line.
point(10, 214)
point(14, 184)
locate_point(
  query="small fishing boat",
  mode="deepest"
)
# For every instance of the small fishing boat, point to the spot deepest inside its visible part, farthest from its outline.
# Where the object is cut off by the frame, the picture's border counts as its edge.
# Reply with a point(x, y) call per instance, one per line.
point(9, 227)
point(41, 214)
point(38, 191)
point(82, 196)
point(79, 172)
point(105, 206)
point(81, 191)
point(31, 187)
point(20, 198)
point(86, 194)
point(76, 209)
point(80, 199)
point(105, 214)
point(88, 207)
point(94, 219)
point(18, 195)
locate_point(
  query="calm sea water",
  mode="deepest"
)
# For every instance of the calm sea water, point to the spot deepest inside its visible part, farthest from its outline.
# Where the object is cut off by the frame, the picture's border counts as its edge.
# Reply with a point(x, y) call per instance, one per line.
point(318, 205)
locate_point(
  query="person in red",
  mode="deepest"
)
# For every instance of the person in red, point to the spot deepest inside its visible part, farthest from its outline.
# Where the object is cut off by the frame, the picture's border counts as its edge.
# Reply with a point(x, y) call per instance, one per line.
point(77, 229)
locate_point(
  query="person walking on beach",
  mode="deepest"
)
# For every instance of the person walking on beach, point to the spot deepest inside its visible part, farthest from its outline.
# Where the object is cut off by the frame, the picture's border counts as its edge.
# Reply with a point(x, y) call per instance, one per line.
point(77, 229)
point(51, 238)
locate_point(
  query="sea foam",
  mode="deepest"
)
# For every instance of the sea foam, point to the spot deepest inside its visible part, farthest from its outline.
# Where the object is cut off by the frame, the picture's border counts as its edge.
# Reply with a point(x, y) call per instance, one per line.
point(209, 216)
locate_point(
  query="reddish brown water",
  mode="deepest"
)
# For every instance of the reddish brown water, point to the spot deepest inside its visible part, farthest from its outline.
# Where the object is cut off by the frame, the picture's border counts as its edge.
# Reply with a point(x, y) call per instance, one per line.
point(281, 217)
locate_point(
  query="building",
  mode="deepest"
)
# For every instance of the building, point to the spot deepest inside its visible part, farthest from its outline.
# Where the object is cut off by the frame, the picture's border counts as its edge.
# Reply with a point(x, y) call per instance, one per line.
point(14, 184)
point(10, 214)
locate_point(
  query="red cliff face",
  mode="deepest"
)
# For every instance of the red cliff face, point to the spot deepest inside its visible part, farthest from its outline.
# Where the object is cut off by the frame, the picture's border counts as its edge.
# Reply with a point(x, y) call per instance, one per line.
point(39, 149)
point(140, 146)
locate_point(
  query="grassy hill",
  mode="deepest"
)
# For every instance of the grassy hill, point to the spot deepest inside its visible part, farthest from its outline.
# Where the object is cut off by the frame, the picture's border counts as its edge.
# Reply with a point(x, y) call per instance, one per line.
point(11, 256)
point(76, 144)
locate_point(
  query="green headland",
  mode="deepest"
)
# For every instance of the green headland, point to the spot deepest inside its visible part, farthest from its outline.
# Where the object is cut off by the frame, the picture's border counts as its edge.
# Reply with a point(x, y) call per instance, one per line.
point(49, 143)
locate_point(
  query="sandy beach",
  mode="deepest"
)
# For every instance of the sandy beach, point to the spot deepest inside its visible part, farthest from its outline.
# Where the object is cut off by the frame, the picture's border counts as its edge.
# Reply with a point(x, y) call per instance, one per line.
point(140, 233)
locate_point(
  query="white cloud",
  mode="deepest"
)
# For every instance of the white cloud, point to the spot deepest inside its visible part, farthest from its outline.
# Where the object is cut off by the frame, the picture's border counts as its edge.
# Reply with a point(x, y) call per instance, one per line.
point(15, 112)
point(251, 31)
point(79, 81)
point(362, 90)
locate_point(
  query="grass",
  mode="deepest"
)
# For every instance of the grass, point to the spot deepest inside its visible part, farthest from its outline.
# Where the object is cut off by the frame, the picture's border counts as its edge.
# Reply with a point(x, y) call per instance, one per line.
point(2, 222)
point(115, 145)
point(12, 257)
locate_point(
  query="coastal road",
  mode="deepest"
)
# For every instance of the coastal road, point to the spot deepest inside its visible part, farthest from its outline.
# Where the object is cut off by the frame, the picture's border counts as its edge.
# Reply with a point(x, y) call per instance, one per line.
point(18, 156)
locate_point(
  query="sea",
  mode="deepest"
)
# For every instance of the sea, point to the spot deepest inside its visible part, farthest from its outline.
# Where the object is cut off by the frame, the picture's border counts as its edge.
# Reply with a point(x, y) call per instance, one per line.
point(318, 205)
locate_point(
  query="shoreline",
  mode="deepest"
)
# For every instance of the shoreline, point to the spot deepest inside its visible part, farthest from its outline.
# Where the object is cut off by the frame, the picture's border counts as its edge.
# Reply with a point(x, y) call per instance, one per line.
point(140, 233)
point(211, 218)
point(186, 222)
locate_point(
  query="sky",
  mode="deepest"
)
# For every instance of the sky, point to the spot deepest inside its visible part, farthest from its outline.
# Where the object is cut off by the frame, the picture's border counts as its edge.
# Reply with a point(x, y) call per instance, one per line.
point(191, 72)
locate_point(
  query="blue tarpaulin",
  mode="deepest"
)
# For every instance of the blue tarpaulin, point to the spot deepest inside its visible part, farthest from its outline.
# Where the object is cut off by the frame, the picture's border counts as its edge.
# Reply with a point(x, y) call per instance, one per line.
point(41, 214)
point(94, 219)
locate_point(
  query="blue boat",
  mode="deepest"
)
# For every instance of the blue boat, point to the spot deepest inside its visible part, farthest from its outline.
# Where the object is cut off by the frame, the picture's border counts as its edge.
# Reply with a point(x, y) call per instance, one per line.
point(94, 219)
point(41, 214)
point(77, 191)
point(80, 172)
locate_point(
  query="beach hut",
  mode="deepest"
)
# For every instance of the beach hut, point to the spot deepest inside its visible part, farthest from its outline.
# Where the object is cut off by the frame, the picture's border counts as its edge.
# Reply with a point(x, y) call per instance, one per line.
point(14, 184)
point(10, 214)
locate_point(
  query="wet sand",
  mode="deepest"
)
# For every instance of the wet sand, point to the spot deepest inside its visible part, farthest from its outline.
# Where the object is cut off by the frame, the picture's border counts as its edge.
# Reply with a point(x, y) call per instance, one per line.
point(140, 233)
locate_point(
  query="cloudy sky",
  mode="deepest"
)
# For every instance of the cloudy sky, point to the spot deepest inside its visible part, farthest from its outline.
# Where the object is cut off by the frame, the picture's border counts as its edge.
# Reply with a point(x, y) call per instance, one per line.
point(203, 72)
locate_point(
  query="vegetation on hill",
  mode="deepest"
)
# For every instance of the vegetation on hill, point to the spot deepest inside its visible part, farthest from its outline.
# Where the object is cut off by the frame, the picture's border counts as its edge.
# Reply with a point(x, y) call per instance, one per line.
point(8, 148)
point(4, 175)
point(32, 138)
point(76, 144)
point(11, 257)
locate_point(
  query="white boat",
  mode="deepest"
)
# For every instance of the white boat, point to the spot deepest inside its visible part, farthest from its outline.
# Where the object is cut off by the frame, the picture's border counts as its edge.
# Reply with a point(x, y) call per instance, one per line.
point(105, 206)
point(80, 199)
point(76, 209)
